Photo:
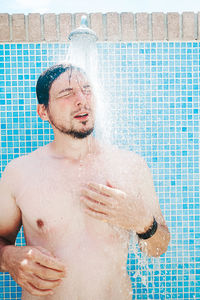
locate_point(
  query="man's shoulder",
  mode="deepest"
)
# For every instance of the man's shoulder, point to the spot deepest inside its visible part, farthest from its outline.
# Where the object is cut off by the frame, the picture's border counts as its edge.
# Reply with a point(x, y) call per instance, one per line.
point(23, 161)
point(123, 155)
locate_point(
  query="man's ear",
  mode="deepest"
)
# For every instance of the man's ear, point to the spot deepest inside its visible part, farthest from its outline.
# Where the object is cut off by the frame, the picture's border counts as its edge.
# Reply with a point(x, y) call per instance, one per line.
point(42, 112)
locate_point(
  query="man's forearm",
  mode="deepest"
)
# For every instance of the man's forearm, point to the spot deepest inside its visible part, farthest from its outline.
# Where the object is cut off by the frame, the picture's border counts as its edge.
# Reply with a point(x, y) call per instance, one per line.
point(3, 244)
point(157, 244)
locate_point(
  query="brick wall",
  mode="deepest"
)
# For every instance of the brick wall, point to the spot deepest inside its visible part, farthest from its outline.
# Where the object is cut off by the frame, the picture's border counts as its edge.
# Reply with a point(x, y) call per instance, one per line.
point(109, 27)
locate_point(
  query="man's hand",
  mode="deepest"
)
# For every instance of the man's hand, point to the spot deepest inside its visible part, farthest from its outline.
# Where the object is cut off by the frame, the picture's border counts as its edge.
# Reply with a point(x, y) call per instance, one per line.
point(116, 207)
point(35, 269)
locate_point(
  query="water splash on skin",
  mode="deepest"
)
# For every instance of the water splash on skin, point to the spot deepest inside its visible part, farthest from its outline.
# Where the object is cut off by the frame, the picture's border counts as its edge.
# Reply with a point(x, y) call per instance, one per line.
point(83, 53)
point(143, 269)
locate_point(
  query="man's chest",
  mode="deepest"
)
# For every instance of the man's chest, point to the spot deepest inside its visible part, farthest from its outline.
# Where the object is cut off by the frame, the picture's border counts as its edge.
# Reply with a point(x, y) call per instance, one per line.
point(51, 205)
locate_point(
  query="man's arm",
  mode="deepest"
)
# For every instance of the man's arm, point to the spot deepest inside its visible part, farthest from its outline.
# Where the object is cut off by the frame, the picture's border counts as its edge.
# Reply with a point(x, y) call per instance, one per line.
point(10, 217)
point(35, 269)
point(132, 210)
point(157, 244)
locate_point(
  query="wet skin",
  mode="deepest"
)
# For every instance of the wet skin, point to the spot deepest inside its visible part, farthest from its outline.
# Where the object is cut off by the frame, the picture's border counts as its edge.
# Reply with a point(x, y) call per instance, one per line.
point(94, 252)
point(76, 235)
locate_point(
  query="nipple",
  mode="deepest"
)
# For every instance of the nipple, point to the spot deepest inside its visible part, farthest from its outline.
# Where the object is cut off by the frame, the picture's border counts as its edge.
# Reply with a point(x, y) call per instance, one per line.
point(40, 223)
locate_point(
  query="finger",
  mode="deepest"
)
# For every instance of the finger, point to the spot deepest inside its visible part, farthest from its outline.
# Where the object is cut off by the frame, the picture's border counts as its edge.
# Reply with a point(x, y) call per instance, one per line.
point(47, 261)
point(109, 184)
point(44, 251)
point(36, 292)
point(95, 195)
point(96, 215)
point(101, 188)
point(95, 206)
point(42, 284)
point(46, 273)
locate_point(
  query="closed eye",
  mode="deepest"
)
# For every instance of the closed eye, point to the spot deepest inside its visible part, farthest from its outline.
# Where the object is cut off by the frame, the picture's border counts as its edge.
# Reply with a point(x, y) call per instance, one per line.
point(66, 94)
point(87, 90)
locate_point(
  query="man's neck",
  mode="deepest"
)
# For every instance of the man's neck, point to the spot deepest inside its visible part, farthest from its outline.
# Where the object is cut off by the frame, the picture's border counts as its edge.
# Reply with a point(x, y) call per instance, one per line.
point(73, 148)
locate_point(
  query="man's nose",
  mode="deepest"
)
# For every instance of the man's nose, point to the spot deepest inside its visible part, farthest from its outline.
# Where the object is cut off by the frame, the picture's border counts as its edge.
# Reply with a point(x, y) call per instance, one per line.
point(80, 98)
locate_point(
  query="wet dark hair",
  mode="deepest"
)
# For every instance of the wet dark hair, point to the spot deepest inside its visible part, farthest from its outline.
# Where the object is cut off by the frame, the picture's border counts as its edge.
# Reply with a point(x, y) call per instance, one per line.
point(46, 79)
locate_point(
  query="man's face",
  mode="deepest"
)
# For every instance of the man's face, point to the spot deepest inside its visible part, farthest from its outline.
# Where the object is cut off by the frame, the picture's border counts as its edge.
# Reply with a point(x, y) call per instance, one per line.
point(71, 107)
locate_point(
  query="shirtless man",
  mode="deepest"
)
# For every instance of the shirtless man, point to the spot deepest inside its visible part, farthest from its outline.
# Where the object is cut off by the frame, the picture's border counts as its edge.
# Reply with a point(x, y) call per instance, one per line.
point(78, 201)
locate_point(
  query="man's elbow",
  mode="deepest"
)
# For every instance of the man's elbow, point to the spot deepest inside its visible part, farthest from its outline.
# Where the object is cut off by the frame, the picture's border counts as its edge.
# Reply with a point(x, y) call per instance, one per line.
point(157, 244)
point(162, 248)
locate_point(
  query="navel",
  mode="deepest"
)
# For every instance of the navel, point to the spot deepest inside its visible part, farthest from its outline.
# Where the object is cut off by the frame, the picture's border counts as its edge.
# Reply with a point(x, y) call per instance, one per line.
point(40, 223)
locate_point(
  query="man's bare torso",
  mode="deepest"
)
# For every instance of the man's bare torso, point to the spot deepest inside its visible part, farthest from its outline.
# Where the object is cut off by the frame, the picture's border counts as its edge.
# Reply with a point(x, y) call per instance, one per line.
point(95, 253)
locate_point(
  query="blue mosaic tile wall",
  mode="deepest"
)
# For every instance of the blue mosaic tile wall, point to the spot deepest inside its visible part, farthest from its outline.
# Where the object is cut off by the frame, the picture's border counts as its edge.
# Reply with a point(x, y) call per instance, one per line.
point(154, 89)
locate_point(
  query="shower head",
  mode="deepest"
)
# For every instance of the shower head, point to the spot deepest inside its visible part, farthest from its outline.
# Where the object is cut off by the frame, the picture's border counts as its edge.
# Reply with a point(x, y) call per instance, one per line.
point(83, 30)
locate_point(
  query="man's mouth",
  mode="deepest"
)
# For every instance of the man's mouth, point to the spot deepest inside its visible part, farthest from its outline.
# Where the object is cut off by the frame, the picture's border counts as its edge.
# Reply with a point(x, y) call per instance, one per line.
point(81, 116)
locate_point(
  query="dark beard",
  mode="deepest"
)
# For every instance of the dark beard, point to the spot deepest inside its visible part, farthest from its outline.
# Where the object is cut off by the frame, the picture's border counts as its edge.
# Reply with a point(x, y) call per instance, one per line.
point(77, 134)
point(71, 132)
